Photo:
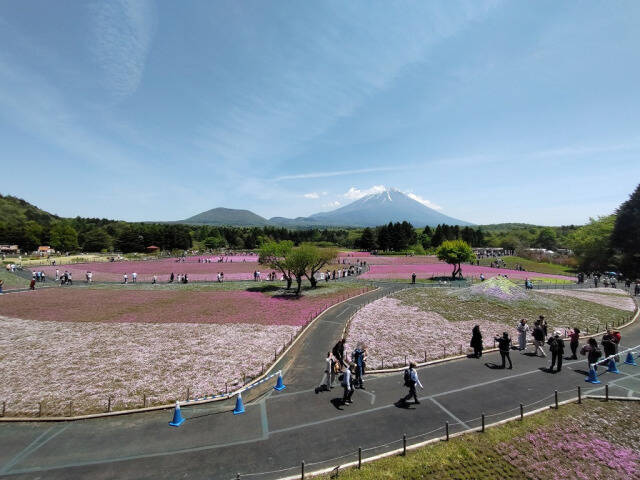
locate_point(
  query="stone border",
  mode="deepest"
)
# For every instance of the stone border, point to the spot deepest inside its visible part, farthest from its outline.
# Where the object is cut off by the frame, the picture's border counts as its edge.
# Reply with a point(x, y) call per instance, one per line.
point(187, 403)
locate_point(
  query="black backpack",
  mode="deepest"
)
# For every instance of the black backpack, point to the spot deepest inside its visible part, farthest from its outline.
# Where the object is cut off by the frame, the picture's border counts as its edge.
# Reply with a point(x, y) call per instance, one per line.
point(407, 378)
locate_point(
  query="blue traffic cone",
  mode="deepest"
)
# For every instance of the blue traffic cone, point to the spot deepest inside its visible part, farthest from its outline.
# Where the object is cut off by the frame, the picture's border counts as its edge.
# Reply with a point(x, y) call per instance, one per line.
point(239, 405)
point(593, 376)
point(630, 360)
point(279, 385)
point(177, 416)
point(613, 368)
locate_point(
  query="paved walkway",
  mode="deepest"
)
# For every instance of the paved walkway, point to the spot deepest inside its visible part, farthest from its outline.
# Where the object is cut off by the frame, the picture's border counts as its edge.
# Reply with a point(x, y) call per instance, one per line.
point(281, 429)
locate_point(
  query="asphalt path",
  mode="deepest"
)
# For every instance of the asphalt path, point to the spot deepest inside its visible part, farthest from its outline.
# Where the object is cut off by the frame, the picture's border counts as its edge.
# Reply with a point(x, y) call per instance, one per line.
point(280, 429)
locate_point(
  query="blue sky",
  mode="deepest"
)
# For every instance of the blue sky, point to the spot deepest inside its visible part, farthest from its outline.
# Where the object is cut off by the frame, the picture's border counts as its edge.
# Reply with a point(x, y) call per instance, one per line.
point(490, 112)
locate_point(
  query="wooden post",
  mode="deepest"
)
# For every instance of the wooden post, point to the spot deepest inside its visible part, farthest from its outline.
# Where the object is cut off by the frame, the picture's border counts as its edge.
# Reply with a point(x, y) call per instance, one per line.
point(521, 412)
point(302, 470)
point(275, 353)
point(188, 393)
point(405, 360)
point(39, 409)
point(226, 388)
point(425, 356)
point(579, 395)
point(4, 408)
point(555, 393)
point(109, 404)
point(71, 408)
point(446, 429)
point(359, 458)
point(483, 423)
point(382, 364)
point(606, 393)
point(404, 444)
point(144, 401)
point(444, 351)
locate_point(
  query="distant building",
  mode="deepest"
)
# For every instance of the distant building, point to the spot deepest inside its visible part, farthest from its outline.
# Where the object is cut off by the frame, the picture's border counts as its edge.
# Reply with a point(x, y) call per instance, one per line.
point(9, 249)
point(45, 250)
point(152, 249)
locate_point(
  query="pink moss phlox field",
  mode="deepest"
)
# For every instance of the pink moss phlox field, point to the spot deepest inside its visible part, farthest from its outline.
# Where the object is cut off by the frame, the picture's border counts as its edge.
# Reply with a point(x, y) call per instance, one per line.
point(56, 362)
point(616, 301)
point(167, 306)
point(391, 330)
point(566, 451)
point(442, 269)
point(114, 271)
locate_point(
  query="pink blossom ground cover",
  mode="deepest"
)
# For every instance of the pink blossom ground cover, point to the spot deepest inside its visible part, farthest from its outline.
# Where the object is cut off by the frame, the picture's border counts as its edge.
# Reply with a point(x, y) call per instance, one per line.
point(442, 269)
point(390, 330)
point(55, 362)
point(168, 306)
point(594, 442)
point(610, 300)
point(392, 259)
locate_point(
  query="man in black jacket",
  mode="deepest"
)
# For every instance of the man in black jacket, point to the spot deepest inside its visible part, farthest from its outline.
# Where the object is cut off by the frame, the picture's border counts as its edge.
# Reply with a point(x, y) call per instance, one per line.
point(504, 345)
point(538, 339)
point(556, 345)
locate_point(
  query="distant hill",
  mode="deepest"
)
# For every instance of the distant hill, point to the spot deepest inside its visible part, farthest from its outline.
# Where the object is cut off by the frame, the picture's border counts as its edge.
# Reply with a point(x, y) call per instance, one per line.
point(227, 216)
point(381, 208)
point(15, 211)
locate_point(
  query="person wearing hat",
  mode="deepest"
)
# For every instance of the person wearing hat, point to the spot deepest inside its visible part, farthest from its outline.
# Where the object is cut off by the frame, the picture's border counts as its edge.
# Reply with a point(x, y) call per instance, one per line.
point(411, 380)
point(504, 345)
point(556, 346)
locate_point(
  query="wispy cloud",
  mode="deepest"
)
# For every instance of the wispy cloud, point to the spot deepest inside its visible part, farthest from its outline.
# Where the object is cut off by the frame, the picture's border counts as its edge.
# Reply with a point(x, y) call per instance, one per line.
point(424, 201)
point(311, 195)
point(122, 33)
point(355, 193)
point(333, 204)
point(336, 173)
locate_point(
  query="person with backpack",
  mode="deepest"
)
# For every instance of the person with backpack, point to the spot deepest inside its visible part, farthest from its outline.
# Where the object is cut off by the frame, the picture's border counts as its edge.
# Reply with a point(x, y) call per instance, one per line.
point(347, 384)
point(358, 356)
point(556, 346)
point(476, 342)
point(574, 343)
point(592, 352)
point(538, 339)
point(411, 380)
point(616, 340)
point(504, 345)
point(608, 345)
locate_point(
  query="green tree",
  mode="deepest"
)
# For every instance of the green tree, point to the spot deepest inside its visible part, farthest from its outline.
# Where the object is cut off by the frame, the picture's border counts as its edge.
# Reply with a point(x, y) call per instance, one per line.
point(298, 262)
point(217, 241)
point(367, 240)
point(546, 239)
point(455, 252)
point(625, 238)
point(318, 258)
point(63, 237)
point(96, 240)
point(591, 244)
point(275, 255)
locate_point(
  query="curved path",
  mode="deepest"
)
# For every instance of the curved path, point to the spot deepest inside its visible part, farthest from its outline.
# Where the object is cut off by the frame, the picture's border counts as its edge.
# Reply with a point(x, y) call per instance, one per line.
point(279, 430)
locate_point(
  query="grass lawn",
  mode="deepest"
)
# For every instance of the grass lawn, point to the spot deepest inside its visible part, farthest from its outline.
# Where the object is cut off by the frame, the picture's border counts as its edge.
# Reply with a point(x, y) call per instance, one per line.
point(12, 281)
point(532, 265)
point(559, 311)
point(595, 440)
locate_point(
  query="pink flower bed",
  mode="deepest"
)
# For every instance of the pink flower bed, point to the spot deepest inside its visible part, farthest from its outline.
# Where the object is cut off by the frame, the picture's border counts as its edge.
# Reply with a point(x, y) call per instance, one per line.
point(391, 330)
point(113, 271)
point(616, 301)
point(442, 269)
point(166, 306)
point(567, 451)
point(392, 259)
point(57, 362)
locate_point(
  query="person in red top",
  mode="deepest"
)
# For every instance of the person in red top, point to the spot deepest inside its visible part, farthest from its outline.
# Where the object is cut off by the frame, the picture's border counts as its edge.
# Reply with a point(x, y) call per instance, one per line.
point(574, 335)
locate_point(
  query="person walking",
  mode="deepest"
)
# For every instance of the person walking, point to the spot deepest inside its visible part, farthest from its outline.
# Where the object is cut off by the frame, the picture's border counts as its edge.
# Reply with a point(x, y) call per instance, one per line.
point(32, 284)
point(592, 352)
point(347, 384)
point(522, 328)
point(411, 379)
point(1, 284)
point(413, 278)
point(538, 339)
point(575, 342)
point(608, 343)
point(556, 346)
point(171, 277)
point(504, 345)
point(545, 327)
point(476, 342)
point(338, 352)
point(327, 379)
point(358, 357)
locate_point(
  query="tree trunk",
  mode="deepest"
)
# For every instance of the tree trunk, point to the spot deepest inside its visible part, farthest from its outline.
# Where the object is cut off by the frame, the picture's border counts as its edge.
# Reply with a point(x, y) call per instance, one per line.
point(313, 281)
point(288, 282)
point(299, 281)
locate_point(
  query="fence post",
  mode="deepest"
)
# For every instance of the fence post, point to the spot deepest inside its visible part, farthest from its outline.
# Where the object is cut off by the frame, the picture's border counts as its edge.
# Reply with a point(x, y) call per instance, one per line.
point(425, 356)
point(188, 393)
point(71, 408)
point(446, 429)
point(302, 470)
point(579, 395)
point(359, 458)
point(382, 364)
point(460, 349)
point(404, 444)
point(144, 401)
point(405, 360)
point(606, 392)
point(275, 353)
point(4, 408)
point(226, 388)
point(444, 351)
point(521, 412)
point(494, 343)
point(483, 423)
point(109, 404)
point(555, 393)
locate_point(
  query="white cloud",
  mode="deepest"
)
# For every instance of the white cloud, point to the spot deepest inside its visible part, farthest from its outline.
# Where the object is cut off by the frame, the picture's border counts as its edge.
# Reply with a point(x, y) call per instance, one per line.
point(312, 195)
point(337, 173)
point(423, 201)
point(122, 34)
point(332, 204)
point(355, 193)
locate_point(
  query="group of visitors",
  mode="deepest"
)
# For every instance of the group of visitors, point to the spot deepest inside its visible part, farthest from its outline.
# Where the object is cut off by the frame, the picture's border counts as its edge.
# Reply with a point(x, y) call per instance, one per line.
point(610, 342)
point(39, 277)
point(349, 373)
point(134, 278)
point(65, 279)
